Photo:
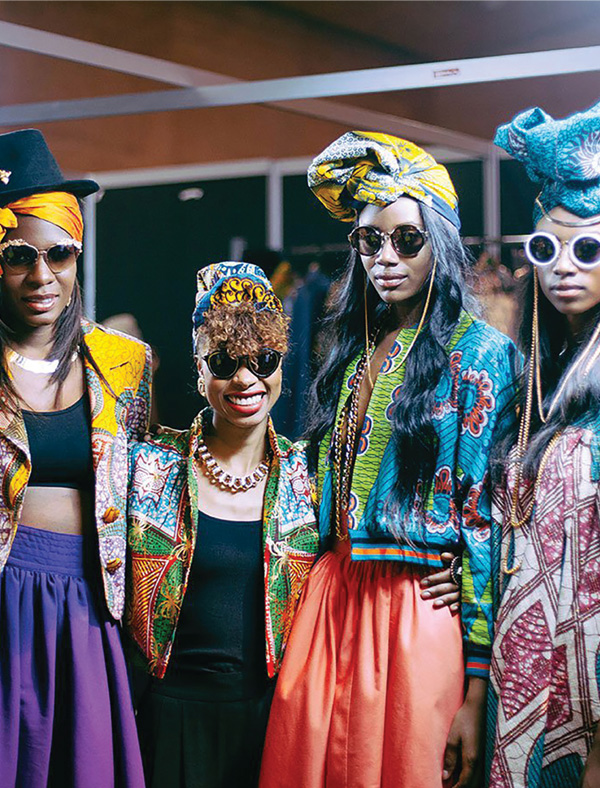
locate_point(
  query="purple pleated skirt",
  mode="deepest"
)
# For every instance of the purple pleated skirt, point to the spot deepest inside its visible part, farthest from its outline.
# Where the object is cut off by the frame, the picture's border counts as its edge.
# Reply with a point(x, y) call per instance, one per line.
point(66, 716)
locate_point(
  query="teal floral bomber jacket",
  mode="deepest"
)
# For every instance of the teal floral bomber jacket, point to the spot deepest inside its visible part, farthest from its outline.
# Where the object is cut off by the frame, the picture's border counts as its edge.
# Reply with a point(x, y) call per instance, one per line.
point(470, 400)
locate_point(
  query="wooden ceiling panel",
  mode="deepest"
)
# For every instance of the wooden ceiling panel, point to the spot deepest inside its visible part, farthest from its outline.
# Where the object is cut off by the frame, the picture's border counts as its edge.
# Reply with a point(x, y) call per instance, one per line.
point(261, 40)
point(449, 29)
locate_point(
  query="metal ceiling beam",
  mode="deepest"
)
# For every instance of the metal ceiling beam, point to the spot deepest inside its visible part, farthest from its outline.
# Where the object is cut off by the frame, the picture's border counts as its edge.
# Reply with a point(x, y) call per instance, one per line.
point(369, 120)
point(98, 55)
point(376, 80)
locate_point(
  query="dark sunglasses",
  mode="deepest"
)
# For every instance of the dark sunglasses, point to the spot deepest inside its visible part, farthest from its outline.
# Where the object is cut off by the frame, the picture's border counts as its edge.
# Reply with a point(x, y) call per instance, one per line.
point(406, 239)
point(221, 365)
point(543, 248)
point(19, 257)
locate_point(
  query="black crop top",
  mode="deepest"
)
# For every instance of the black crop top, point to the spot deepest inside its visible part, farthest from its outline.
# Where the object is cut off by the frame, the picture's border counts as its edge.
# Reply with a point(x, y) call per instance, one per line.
point(60, 443)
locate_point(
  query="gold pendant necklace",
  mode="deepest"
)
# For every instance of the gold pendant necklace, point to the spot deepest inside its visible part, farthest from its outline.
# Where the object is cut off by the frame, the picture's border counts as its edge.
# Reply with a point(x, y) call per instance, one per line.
point(224, 480)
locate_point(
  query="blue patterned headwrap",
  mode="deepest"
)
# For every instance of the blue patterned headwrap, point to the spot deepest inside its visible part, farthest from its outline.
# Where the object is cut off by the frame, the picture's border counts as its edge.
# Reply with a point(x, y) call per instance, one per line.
point(232, 283)
point(367, 167)
point(562, 155)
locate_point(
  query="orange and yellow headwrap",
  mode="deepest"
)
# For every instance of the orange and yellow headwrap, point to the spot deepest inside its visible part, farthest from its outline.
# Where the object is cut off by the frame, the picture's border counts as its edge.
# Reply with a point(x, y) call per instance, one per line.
point(59, 208)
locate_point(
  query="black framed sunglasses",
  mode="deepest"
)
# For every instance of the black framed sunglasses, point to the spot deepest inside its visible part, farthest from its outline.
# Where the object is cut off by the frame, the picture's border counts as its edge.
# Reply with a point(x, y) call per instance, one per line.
point(406, 239)
point(544, 249)
point(19, 257)
point(222, 366)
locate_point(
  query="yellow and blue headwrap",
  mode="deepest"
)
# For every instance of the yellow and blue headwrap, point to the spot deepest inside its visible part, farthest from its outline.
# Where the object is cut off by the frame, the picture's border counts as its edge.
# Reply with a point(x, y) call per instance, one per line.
point(562, 155)
point(366, 167)
point(232, 283)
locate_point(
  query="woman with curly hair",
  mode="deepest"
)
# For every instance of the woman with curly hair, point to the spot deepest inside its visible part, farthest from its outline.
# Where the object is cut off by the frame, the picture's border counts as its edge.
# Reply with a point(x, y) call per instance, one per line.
point(72, 394)
point(373, 690)
point(222, 535)
point(545, 678)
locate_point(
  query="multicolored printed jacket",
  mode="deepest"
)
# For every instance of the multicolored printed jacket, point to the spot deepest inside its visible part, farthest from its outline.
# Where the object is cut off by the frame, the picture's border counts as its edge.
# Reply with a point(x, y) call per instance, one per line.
point(163, 523)
point(127, 367)
point(469, 399)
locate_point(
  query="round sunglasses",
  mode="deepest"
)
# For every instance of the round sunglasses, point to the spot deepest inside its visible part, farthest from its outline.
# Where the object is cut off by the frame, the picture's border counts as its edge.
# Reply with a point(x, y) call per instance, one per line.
point(223, 366)
point(544, 249)
point(406, 239)
point(19, 257)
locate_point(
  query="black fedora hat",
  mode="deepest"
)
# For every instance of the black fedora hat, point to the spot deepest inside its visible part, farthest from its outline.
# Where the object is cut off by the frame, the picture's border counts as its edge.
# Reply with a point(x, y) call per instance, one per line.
point(27, 167)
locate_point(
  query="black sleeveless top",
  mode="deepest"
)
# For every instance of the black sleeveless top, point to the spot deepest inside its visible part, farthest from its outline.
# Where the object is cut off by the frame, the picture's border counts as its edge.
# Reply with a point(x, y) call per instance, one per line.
point(60, 443)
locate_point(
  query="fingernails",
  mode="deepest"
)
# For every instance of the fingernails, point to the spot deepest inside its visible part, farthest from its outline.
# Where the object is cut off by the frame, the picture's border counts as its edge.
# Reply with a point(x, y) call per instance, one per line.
point(445, 774)
point(425, 594)
point(424, 582)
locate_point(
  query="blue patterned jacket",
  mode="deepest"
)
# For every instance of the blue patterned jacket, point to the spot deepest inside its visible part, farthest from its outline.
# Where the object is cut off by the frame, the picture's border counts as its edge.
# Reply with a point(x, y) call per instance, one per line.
point(470, 397)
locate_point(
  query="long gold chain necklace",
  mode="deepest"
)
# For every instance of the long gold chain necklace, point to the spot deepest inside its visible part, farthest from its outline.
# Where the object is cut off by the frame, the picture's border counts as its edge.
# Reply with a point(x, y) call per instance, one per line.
point(525, 424)
point(343, 440)
point(224, 480)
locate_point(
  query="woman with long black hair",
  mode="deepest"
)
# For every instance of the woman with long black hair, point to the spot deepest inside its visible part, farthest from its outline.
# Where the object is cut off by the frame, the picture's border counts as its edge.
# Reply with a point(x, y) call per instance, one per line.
point(405, 407)
point(545, 678)
point(71, 396)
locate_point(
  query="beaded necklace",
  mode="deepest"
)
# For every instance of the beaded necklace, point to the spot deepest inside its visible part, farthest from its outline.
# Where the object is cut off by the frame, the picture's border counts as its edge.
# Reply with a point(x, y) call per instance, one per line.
point(343, 440)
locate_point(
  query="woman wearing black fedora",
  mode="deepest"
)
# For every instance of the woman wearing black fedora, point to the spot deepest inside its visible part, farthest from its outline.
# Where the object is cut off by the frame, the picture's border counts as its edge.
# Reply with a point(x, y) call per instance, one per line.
point(71, 396)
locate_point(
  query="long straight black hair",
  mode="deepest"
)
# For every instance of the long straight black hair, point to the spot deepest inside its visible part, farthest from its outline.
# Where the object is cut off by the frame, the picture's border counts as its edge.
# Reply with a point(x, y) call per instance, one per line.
point(68, 336)
point(344, 337)
point(580, 397)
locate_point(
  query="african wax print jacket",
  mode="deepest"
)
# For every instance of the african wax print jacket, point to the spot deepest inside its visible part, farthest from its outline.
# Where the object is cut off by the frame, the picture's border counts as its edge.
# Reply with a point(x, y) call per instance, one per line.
point(545, 677)
point(126, 365)
point(163, 524)
point(468, 400)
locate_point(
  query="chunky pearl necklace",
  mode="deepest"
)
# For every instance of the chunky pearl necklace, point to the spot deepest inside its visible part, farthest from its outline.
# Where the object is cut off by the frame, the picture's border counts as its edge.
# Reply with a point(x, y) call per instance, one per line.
point(224, 480)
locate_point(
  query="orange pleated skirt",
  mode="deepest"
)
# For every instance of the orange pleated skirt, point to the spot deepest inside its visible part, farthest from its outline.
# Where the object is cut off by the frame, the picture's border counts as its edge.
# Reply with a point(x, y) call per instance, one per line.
point(371, 680)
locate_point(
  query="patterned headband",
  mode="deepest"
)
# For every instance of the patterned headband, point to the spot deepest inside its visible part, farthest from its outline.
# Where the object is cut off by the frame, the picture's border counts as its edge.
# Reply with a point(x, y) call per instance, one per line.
point(232, 283)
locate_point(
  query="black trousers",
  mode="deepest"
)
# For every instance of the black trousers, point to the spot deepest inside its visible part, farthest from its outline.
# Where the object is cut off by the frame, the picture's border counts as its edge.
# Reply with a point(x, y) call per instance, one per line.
point(204, 730)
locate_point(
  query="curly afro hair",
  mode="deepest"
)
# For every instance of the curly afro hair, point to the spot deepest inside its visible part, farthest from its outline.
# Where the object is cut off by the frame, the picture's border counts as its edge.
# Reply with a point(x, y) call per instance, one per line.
point(242, 330)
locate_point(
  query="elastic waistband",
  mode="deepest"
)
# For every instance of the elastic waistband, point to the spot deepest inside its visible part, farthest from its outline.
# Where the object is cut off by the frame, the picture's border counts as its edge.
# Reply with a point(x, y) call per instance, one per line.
point(208, 685)
point(48, 551)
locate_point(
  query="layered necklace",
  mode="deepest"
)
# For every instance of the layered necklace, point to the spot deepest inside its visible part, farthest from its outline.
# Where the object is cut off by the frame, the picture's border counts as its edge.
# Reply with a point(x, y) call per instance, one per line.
point(224, 480)
point(343, 440)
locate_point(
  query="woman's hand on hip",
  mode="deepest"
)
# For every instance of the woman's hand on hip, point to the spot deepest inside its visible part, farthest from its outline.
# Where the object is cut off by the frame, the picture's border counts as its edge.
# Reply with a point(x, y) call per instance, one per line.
point(441, 586)
point(462, 758)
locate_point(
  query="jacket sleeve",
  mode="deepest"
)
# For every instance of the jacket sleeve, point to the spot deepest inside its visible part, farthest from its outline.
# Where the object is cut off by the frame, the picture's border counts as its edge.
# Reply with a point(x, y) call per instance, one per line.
point(486, 389)
point(138, 415)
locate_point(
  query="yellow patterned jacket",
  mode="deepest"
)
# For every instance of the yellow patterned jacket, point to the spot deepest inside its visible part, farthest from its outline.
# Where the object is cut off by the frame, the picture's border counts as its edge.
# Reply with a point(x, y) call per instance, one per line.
point(127, 367)
point(163, 523)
